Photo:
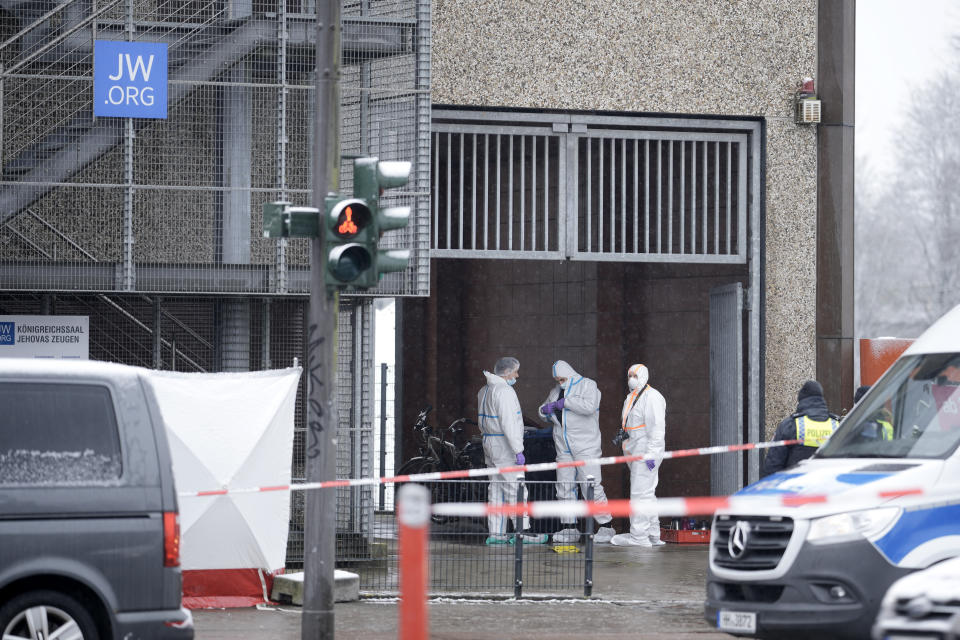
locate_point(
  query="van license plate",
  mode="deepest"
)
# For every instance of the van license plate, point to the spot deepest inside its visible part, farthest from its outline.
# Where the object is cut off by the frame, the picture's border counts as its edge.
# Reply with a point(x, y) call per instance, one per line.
point(737, 621)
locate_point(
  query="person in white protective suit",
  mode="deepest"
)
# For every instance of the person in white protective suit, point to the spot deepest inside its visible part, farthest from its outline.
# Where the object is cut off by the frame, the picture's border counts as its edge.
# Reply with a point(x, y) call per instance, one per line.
point(642, 421)
point(573, 407)
point(501, 424)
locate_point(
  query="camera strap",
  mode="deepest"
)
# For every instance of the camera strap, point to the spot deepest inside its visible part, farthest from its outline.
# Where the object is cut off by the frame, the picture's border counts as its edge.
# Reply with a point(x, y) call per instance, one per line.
point(626, 414)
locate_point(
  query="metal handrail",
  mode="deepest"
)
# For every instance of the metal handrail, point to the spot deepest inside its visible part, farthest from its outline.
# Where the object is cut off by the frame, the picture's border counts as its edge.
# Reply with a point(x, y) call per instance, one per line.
point(144, 327)
point(35, 24)
point(62, 235)
point(24, 239)
point(63, 36)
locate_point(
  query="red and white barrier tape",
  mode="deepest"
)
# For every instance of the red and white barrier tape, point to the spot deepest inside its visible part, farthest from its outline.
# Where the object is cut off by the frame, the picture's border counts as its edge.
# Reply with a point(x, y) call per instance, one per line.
point(669, 507)
point(489, 471)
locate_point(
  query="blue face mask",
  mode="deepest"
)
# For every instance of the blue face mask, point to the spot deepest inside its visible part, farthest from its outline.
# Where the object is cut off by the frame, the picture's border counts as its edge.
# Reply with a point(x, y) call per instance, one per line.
point(512, 381)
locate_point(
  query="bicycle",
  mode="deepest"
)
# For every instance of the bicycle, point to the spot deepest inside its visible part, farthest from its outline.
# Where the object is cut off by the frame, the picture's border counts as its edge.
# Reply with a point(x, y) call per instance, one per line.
point(440, 451)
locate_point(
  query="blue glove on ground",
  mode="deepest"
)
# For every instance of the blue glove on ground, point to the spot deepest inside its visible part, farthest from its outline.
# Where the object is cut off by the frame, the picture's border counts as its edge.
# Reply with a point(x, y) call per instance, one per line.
point(521, 459)
point(650, 464)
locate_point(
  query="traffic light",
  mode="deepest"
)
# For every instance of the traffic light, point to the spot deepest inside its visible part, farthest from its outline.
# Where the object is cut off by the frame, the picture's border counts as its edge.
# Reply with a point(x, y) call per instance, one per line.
point(354, 226)
point(350, 244)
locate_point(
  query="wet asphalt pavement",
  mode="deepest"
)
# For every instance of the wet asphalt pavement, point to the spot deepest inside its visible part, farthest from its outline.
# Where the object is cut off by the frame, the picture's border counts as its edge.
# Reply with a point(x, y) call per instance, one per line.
point(639, 593)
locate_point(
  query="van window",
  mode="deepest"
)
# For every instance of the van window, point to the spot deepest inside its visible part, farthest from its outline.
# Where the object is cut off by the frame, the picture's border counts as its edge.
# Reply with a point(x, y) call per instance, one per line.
point(913, 412)
point(57, 434)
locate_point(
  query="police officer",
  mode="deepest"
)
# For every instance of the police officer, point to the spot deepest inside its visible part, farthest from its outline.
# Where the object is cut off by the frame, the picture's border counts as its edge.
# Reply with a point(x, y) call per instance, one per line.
point(879, 426)
point(811, 423)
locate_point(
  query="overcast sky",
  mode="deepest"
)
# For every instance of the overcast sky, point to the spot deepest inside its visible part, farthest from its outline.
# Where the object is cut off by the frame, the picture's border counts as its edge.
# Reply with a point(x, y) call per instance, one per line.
point(899, 44)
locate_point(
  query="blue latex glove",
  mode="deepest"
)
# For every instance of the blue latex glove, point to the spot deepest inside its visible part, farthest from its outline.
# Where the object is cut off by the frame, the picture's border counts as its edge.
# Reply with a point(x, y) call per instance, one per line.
point(521, 459)
point(650, 464)
point(559, 403)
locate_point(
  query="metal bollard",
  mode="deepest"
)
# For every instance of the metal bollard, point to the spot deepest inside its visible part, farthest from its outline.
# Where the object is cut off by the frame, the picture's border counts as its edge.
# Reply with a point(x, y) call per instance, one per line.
point(413, 515)
point(518, 543)
point(588, 534)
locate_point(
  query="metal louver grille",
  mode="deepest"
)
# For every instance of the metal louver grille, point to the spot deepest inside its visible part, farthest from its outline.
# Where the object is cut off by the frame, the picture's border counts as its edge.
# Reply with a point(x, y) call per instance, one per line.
point(581, 187)
point(652, 196)
point(497, 191)
point(762, 547)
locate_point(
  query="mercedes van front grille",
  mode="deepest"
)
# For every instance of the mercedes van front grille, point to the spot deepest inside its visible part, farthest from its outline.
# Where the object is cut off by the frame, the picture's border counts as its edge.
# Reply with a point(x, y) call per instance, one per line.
point(750, 543)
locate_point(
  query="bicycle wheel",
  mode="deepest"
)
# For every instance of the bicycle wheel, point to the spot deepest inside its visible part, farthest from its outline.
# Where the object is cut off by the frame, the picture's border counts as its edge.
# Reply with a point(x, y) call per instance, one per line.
point(439, 491)
point(424, 465)
point(414, 466)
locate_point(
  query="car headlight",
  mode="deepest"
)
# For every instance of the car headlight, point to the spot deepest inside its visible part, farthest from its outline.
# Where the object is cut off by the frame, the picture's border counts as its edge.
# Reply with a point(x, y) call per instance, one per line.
point(851, 525)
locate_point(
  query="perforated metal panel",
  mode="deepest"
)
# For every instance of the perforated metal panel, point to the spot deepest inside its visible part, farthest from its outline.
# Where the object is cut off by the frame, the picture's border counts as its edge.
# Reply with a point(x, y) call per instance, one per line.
point(174, 205)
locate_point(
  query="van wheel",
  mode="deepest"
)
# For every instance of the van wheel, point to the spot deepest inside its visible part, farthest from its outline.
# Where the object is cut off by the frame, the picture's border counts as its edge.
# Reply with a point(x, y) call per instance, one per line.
point(38, 615)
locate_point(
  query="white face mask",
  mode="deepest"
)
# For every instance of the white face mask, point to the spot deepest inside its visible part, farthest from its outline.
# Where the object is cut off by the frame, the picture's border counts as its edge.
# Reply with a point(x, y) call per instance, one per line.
point(632, 382)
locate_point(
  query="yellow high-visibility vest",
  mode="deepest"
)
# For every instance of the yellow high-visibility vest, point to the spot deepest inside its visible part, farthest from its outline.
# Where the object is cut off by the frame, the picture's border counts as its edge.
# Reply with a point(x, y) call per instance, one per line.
point(814, 433)
point(886, 430)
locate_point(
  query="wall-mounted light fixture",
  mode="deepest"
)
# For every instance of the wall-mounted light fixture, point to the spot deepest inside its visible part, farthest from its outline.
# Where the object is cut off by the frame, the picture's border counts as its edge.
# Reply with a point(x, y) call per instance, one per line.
point(806, 103)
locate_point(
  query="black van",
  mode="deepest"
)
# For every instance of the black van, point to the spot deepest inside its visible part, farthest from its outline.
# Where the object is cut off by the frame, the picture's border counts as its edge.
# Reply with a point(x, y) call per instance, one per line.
point(89, 525)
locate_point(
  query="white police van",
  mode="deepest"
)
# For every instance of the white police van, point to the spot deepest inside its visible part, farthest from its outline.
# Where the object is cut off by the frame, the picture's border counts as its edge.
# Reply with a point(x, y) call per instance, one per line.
point(821, 569)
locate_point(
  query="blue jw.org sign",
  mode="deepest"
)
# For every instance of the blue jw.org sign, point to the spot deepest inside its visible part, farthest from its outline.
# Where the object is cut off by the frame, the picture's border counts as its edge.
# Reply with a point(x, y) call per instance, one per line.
point(129, 79)
point(8, 333)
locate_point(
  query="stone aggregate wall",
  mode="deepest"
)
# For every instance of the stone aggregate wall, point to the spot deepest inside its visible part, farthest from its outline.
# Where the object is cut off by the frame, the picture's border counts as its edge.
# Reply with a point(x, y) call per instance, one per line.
point(667, 57)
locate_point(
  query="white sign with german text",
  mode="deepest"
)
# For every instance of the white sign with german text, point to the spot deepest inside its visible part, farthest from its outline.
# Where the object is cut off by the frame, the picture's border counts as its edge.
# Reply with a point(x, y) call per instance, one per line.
point(45, 337)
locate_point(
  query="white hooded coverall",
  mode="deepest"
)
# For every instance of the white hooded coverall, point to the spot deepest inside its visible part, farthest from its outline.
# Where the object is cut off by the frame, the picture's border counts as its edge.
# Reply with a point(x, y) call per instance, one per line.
point(501, 423)
point(576, 436)
point(644, 421)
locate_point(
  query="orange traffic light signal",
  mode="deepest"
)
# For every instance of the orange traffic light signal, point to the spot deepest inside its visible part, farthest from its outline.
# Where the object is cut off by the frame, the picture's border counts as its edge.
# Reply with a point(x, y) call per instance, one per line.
point(346, 227)
point(352, 217)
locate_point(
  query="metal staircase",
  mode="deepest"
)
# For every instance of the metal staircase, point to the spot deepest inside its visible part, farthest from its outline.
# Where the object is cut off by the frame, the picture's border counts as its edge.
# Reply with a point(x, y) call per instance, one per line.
point(63, 153)
point(121, 331)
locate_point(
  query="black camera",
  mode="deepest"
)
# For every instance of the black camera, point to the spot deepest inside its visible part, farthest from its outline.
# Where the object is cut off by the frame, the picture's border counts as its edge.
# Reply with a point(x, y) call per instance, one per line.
point(620, 437)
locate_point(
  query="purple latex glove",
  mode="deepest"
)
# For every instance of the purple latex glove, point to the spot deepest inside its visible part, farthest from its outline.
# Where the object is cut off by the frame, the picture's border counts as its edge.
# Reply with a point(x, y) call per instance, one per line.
point(650, 464)
point(521, 459)
point(550, 407)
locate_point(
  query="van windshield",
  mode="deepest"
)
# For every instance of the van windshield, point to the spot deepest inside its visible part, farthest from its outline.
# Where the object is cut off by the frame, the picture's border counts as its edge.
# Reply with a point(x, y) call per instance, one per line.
point(913, 412)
